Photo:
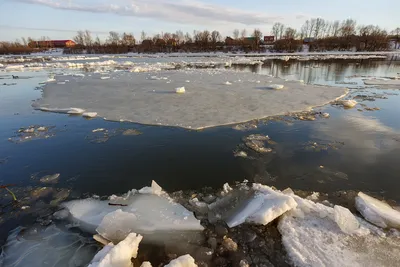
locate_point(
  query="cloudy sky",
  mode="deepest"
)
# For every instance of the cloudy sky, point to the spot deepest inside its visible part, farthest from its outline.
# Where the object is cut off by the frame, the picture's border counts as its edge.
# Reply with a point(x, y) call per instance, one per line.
point(60, 19)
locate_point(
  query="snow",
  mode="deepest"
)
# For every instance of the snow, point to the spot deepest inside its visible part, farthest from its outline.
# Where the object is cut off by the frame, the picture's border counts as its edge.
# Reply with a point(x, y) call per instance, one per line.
point(182, 261)
point(312, 237)
point(180, 90)
point(377, 212)
point(149, 212)
point(259, 204)
point(119, 255)
point(145, 264)
point(135, 98)
point(105, 77)
point(89, 114)
point(45, 246)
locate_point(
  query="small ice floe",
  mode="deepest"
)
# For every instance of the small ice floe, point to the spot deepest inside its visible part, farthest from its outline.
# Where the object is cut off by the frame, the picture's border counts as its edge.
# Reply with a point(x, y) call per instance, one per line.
point(187, 81)
point(180, 90)
point(346, 221)
point(377, 212)
point(105, 77)
point(228, 83)
point(119, 255)
point(98, 130)
point(89, 114)
point(52, 178)
point(182, 261)
point(275, 86)
point(29, 130)
point(348, 103)
point(61, 83)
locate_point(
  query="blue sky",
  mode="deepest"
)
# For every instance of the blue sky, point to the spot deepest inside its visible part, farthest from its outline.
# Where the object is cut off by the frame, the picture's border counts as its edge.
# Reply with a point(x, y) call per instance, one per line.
point(60, 19)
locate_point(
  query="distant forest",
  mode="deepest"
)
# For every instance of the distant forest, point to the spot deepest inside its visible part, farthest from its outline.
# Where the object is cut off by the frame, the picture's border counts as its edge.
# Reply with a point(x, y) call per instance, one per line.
point(319, 34)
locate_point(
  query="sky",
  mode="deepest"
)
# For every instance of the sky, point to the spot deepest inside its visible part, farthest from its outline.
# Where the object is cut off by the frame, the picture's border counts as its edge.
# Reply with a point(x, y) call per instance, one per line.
point(60, 19)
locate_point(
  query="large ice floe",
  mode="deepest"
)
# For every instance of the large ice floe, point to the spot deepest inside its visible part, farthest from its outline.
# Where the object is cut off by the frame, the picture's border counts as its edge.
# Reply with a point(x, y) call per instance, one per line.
point(151, 98)
point(384, 83)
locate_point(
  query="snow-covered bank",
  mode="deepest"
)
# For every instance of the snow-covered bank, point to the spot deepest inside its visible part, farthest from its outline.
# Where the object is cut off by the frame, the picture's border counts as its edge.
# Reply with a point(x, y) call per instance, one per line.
point(207, 101)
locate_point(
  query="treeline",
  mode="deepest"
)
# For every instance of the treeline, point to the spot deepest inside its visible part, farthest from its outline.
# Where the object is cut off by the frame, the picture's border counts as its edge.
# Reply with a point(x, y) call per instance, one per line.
point(318, 34)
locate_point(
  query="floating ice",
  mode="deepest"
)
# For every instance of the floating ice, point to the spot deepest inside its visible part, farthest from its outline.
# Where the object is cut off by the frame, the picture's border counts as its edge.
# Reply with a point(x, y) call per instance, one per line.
point(149, 212)
point(182, 261)
point(50, 178)
point(348, 103)
point(132, 98)
point(383, 82)
point(259, 204)
point(119, 255)
point(71, 111)
point(228, 83)
point(51, 246)
point(377, 212)
point(105, 77)
point(180, 90)
point(311, 237)
point(275, 86)
point(89, 114)
point(325, 115)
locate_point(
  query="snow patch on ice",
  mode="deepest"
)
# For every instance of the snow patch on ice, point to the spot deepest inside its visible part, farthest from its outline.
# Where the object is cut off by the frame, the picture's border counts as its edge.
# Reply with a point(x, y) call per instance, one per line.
point(89, 114)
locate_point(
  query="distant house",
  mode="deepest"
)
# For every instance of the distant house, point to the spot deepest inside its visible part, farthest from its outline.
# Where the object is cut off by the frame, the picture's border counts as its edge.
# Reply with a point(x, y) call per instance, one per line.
point(53, 43)
point(308, 40)
point(229, 41)
point(269, 39)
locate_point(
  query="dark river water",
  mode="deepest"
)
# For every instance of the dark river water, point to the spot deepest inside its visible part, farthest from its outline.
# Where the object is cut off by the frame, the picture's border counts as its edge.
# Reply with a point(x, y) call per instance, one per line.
point(354, 150)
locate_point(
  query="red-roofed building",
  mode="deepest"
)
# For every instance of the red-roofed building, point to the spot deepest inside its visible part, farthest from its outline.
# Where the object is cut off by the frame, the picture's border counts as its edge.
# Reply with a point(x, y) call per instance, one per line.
point(53, 43)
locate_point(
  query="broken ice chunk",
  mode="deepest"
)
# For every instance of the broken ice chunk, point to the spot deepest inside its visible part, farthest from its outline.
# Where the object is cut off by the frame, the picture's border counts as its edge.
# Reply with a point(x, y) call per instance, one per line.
point(346, 221)
point(348, 103)
point(377, 212)
point(89, 114)
point(150, 215)
point(119, 255)
point(259, 204)
point(180, 90)
point(182, 261)
point(228, 83)
point(52, 178)
point(154, 189)
point(105, 77)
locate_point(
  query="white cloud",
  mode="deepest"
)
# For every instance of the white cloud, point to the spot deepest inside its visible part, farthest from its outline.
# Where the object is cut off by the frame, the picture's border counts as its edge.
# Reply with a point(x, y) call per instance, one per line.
point(180, 11)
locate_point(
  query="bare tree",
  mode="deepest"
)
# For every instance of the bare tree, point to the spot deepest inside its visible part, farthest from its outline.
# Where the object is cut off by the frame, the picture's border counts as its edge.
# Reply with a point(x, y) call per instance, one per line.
point(205, 37)
point(79, 38)
point(143, 36)
point(257, 34)
point(97, 42)
point(305, 29)
point(236, 34)
point(87, 38)
point(396, 34)
point(215, 36)
point(167, 36)
point(24, 41)
point(114, 38)
point(335, 28)
point(188, 38)
point(290, 33)
point(318, 28)
point(179, 36)
point(312, 27)
point(278, 30)
point(348, 27)
point(128, 39)
point(243, 33)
